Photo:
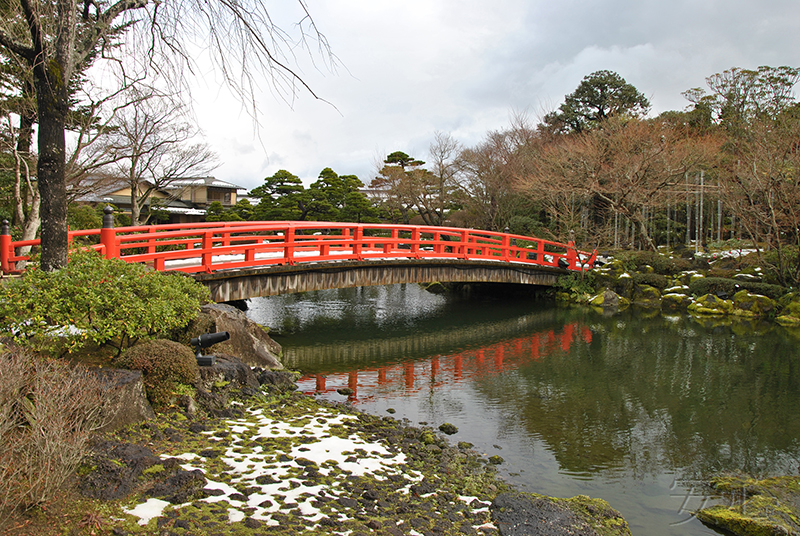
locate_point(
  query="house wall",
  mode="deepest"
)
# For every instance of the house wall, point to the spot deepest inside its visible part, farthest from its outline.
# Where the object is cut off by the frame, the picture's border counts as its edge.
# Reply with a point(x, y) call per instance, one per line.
point(226, 196)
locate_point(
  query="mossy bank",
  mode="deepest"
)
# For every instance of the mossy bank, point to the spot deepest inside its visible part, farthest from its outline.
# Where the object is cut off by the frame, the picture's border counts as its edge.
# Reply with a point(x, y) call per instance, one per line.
point(290, 464)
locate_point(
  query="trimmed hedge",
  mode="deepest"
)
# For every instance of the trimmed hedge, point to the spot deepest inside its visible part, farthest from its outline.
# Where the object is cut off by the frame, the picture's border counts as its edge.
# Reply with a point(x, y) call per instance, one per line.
point(164, 365)
point(714, 285)
point(661, 264)
point(654, 280)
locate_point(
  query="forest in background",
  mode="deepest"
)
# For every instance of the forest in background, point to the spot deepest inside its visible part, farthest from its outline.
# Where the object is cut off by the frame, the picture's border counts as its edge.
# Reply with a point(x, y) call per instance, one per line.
point(724, 170)
point(597, 170)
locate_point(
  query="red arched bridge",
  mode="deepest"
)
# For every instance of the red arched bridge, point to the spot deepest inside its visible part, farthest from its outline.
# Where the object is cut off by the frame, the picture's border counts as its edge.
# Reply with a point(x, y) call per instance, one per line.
point(239, 260)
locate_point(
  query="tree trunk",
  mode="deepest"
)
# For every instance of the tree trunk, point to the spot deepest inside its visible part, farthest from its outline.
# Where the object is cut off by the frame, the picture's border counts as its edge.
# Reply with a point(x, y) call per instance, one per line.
point(52, 99)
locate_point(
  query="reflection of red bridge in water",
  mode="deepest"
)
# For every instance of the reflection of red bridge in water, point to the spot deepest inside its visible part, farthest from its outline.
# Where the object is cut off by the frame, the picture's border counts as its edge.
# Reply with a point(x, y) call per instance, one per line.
point(438, 371)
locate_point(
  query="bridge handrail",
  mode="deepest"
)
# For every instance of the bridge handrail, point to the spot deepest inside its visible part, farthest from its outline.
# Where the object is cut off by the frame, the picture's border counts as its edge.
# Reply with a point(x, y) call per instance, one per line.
point(211, 246)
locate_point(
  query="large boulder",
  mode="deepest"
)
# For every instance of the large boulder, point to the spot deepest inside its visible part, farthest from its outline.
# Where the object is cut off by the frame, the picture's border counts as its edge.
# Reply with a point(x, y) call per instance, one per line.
point(229, 370)
point(609, 299)
point(747, 304)
point(711, 305)
point(249, 341)
point(527, 514)
point(646, 296)
point(675, 301)
point(124, 389)
point(277, 381)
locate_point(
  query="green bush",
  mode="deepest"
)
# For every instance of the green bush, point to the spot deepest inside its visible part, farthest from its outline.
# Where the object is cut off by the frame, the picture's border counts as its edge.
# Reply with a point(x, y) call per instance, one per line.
point(713, 285)
point(577, 284)
point(654, 280)
point(661, 264)
point(164, 364)
point(781, 266)
point(48, 410)
point(96, 301)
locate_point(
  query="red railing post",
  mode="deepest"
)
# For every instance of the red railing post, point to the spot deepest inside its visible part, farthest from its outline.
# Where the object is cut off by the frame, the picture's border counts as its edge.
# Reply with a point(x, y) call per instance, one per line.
point(506, 246)
point(358, 242)
point(437, 244)
point(151, 240)
point(226, 234)
point(208, 255)
point(5, 247)
point(590, 262)
point(108, 235)
point(415, 239)
point(288, 245)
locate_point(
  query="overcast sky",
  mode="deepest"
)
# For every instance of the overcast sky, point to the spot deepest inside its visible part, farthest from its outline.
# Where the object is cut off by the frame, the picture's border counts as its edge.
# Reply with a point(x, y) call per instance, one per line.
point(410, 68)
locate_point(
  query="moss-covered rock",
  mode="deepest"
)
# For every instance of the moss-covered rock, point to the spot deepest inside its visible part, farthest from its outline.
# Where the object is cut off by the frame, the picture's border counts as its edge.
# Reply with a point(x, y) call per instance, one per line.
point(674, 301)
point(517, 513)
point(609, 299)
point(760, 507)
point(788, 320)
point(789, 305)
point(754, 305)
point(711, 305)
point(647, 296)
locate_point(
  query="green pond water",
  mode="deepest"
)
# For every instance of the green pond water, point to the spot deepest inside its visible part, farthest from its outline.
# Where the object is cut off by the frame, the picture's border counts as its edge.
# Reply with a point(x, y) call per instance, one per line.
point(636, 408)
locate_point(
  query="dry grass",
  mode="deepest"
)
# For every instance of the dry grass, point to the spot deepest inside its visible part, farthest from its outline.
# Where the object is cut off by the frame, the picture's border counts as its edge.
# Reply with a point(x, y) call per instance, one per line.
point(48, 409)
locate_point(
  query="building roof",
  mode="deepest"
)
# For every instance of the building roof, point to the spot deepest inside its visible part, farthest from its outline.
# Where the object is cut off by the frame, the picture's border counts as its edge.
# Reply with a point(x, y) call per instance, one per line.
point(209, 182)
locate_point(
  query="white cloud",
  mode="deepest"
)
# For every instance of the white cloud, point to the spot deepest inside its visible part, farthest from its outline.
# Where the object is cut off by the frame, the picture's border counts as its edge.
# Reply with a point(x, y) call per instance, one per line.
point(416, 67)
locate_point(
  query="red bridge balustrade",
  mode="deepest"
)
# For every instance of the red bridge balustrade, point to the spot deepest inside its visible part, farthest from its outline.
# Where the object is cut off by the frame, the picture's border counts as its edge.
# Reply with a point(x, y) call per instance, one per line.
point(214, 246)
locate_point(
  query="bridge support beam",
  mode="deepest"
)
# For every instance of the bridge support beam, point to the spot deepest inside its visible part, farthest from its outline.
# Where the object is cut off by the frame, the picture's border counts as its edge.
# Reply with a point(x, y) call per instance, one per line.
point(231, 285)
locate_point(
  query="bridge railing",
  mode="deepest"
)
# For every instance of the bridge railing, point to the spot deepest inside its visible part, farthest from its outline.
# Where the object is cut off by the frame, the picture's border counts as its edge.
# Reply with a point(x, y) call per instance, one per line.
point(212, 246)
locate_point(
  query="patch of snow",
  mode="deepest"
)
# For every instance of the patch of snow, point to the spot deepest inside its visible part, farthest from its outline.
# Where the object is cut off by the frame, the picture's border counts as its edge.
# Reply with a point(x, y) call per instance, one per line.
point(147, 510)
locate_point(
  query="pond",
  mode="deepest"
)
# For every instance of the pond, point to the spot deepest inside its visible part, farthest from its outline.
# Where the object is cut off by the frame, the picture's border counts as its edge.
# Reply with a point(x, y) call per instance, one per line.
point(638, 409)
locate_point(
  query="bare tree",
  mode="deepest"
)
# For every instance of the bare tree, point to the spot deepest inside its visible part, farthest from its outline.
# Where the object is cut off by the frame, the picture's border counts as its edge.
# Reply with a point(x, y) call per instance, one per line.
point(763, 190)
point(26, 195)
point(626, 167)
point(442, 191)
point(151, 140)
point(59, 39)
point(487, 175)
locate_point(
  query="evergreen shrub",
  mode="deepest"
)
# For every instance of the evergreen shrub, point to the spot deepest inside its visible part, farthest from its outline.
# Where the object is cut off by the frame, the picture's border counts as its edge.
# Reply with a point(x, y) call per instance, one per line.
point(654, 280)
point(715, 285)
point(782, 266)
point(96, 301)
point(577, 284)
point(165, 365)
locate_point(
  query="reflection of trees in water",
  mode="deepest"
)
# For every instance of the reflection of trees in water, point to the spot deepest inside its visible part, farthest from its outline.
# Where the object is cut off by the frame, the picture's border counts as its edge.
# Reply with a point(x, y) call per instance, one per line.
point(381, 349)
point(623, 393)
point(645, 395)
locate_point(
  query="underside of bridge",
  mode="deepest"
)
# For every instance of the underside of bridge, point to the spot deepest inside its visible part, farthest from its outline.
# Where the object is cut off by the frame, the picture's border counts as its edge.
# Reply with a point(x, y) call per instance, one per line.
point(229, 285)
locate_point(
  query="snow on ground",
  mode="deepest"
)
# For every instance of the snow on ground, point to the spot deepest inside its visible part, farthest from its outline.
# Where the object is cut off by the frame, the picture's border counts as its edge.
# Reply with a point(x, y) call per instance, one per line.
point(272, 474)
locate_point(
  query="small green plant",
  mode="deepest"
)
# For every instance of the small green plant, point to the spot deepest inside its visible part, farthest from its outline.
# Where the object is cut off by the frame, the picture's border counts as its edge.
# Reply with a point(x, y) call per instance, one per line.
point(167, 367)
point(577, 284)
point(96, 301)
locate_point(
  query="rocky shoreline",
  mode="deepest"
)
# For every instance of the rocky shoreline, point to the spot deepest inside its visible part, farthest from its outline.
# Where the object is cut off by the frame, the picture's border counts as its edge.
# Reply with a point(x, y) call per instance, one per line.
point(285, 463)
point(242, 452)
